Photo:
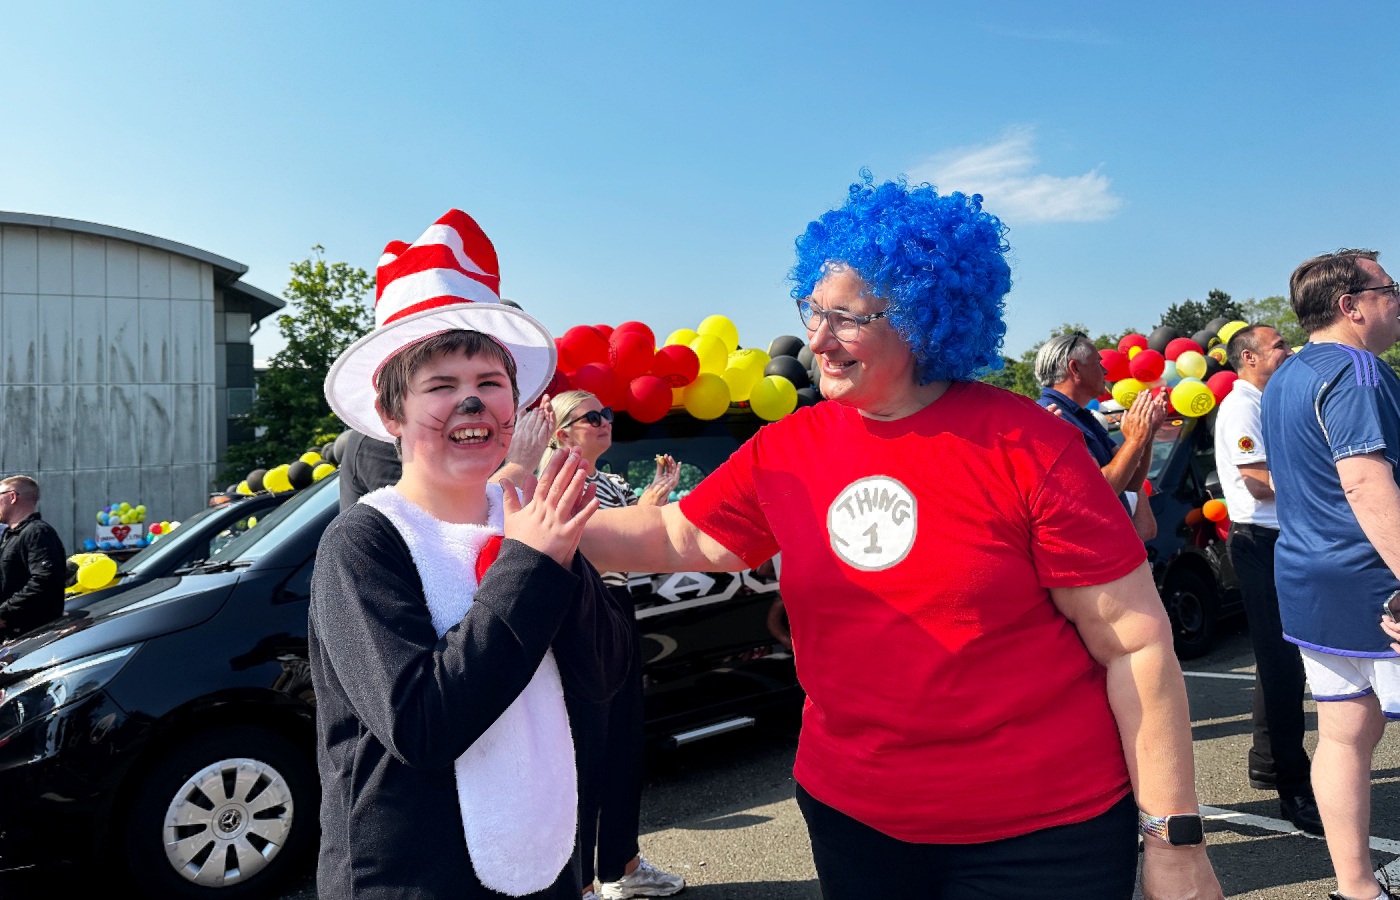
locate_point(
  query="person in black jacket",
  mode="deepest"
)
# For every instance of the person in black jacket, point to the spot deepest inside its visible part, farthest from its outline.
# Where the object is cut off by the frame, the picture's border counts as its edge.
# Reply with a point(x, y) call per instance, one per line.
point(441, 669)
point(33, 564)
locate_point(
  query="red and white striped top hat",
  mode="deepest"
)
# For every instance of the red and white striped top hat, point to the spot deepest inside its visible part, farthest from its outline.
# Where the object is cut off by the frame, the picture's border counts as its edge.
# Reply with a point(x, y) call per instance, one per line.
point(448, 279)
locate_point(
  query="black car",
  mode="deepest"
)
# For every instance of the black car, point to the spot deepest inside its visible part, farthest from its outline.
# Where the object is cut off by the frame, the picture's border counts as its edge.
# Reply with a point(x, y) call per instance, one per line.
point(1188, 558)
point(168, 728)
point(199, 537)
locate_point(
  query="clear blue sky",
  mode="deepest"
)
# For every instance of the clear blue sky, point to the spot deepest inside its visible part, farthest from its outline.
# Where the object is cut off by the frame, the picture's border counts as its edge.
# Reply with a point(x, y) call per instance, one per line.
point(655, 160)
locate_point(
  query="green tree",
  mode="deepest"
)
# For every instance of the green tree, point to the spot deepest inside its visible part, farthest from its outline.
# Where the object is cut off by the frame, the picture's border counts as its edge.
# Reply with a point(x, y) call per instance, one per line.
point(327, 312)
point(1275, 311)
point(1190, 316)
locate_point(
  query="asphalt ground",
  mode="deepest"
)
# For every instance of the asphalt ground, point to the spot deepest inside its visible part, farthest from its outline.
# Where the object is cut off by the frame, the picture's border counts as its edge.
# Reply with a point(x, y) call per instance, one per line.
point(721, 812)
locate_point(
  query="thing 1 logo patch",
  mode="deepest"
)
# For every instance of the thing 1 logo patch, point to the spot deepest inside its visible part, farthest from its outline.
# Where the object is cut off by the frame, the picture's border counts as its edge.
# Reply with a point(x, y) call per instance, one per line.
point(872, 523)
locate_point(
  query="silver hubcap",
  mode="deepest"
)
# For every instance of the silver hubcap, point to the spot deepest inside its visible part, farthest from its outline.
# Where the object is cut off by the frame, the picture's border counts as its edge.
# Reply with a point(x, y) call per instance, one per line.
point(227, 822)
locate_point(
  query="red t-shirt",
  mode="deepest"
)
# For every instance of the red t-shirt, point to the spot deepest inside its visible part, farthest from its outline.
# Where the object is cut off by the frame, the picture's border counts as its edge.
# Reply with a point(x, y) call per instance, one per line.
point(948, 700)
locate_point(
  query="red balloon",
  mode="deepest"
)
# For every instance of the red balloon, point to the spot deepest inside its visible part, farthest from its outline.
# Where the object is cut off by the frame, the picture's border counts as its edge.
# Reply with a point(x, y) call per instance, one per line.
point(605, 330)
point(581, 345)
point(639, 328)
point(677, 364)
point(1179, 346)
point(1221, 383)
point(631, 354)
point(1147, 366)
point(648, 398)
point(603, 383)
point(1131, 340)
point(557, 385)
point(1116, 364)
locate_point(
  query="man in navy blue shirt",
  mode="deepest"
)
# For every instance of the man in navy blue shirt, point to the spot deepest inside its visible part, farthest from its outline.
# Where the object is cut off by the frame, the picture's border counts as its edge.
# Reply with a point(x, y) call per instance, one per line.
point(1331, 421)
point(1071, 374)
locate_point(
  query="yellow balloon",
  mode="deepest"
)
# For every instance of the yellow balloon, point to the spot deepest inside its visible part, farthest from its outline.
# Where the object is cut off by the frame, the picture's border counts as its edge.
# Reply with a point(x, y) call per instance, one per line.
point(321, 471)
point(244, 489)
point(1126, 391)
point(722, 328)
point(707, 397)
point(1217, 353)
point(744, 371)
point(1228, 330)
point(311, 458)
point(276, 480)
point(773, 397)
point(1192, 397)
point(682, 336)
point(1134, 351)
point(1191, 365)
point(95, 573)
point(714, 358)
point(751, 357)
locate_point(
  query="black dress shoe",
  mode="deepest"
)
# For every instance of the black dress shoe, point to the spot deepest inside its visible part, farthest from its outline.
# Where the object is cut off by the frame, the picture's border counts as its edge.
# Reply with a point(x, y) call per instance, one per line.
point(1262, 781)
point(1302, 812)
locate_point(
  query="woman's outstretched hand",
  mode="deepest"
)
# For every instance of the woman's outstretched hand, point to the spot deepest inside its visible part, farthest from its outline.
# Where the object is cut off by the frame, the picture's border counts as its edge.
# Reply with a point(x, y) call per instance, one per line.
point(552, 517)
point(668, 475)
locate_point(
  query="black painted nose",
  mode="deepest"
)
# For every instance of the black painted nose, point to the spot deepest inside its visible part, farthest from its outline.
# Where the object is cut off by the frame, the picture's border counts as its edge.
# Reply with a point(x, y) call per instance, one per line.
point(471, 406)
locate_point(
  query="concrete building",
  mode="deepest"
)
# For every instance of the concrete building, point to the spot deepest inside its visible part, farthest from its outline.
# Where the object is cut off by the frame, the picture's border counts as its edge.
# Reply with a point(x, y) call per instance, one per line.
point(125, 367)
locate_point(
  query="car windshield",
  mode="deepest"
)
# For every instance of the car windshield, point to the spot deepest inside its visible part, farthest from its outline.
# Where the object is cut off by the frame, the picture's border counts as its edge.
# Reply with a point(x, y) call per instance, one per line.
point(158, 553)
point(287, 520)
point(1166, 439)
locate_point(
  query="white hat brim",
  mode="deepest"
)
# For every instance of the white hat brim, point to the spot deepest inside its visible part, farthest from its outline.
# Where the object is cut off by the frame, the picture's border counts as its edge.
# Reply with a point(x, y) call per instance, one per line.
point(350, 384)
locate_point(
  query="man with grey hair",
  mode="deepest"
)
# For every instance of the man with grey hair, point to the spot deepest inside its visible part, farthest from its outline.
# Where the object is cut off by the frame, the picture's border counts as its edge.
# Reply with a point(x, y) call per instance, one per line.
point(1071, 374)
point(33, 565)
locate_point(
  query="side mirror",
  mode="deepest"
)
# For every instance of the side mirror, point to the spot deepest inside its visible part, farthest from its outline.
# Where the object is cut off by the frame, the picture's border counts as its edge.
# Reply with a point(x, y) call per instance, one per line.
point(1213, 486)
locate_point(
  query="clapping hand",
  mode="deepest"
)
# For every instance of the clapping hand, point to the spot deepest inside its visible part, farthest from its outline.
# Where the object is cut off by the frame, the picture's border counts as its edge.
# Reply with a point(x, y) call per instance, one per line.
point(668, 475)
point(556, 507)
point(532, 431)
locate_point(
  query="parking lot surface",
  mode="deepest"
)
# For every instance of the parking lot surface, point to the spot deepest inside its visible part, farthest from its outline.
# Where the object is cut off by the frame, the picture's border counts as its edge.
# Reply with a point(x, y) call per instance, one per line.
point(721, 812)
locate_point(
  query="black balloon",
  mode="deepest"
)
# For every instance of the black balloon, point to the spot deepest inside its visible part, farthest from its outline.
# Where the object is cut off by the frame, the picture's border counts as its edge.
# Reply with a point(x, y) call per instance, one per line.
point(789, 368)
point(805, 356)
point(511, 303)
point(300, 474)
point(1214, 325)
point(1204, 337)
point(340, 443)
point(807, 397)
point(231, 490)
point(255, 480)
point(327, 452)
point(1213, 366)
point(1161, 337)
point(786, 345)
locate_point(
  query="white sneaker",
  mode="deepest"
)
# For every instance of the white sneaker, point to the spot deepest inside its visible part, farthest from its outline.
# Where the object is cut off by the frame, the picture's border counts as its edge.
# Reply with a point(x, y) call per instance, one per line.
point(645, 881)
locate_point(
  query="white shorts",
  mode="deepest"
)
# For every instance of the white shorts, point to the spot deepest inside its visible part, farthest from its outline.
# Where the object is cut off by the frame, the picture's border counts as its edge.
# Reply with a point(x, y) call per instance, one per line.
point(1335, 677)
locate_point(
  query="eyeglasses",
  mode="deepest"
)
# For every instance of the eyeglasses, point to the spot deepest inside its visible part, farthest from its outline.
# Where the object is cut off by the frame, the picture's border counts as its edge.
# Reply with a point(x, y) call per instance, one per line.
point(594, 417)
point(844, 325)
point(1392, 289)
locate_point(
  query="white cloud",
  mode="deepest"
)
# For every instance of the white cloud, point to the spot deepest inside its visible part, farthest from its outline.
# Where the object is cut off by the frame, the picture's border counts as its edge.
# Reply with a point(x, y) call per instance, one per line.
point(1003, 173)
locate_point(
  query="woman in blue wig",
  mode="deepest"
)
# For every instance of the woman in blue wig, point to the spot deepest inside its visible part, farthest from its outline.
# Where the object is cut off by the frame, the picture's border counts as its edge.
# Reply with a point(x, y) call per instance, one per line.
point(993, 705)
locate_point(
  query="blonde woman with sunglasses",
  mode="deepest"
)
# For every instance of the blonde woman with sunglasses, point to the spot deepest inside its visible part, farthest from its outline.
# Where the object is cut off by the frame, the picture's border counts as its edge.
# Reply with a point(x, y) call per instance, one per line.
point(609, 761)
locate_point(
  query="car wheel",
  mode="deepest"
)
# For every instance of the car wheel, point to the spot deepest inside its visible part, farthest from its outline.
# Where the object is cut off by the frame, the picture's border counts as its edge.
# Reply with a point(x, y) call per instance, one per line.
point(1191, 606)
point(227, 814)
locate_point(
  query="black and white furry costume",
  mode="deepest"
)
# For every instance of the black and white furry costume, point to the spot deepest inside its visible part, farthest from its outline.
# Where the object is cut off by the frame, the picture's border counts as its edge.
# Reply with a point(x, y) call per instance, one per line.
point(446, 761)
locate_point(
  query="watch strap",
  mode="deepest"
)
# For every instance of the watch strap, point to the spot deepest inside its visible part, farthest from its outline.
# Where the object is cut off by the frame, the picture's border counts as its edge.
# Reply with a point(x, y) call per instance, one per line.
point(1158, 827)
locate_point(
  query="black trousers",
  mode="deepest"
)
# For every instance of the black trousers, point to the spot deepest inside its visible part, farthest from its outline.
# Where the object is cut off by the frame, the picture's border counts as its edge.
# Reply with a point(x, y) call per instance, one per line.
point(610, 767)
point(1097, 859)
point(1279, 681)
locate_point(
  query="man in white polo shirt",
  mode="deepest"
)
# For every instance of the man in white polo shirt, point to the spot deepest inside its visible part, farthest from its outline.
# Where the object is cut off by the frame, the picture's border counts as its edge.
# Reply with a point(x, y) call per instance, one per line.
point(1277, 760)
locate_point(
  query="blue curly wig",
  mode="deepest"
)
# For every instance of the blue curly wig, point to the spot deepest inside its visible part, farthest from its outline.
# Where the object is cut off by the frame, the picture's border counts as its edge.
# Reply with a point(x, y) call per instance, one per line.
point(939, 262)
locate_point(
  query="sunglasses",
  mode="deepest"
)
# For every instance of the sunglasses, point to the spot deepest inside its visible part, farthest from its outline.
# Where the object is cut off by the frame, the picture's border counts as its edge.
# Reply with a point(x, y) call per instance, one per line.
point(594, 417)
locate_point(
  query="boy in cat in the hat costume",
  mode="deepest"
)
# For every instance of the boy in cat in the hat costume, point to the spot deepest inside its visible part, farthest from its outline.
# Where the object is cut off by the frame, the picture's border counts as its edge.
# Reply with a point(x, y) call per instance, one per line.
point(444, 744)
